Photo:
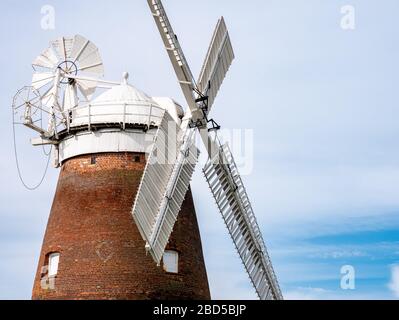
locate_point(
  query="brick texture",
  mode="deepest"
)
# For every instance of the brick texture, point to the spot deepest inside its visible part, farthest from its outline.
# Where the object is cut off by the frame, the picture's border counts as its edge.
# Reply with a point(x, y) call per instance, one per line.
point(102, 253)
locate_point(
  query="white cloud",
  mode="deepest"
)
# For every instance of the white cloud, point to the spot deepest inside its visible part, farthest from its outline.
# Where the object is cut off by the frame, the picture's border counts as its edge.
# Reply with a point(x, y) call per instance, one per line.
point(344, 254)
point(394, 284)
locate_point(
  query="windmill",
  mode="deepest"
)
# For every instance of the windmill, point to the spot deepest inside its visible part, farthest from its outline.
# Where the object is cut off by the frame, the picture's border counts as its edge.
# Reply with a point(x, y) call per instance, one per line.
point(100, 143)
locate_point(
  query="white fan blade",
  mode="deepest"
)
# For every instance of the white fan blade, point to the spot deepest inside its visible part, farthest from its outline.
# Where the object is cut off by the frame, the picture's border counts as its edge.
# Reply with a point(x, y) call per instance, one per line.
point(80, 46)
point(87, 56)
point(92, 63)
point(87, 87)
point(39, 80)
point(70, 99)
point(47, 59)
point(63, 48)
point(96, 68)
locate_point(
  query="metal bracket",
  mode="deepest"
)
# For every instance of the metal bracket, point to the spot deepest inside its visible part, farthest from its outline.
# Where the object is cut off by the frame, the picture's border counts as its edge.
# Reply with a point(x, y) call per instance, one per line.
point(198, 124)
point(215, 125)
point(203, 104)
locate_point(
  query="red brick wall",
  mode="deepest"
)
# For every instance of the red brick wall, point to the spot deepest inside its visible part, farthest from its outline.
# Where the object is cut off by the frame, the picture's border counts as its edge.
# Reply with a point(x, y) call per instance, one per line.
point(102, 252)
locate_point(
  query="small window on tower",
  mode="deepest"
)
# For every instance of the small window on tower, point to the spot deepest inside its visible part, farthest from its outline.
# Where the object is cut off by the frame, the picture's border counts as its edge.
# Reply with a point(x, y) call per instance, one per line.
point(53, 261)
point(171, 261)
point(136, 158)
point(93, 160)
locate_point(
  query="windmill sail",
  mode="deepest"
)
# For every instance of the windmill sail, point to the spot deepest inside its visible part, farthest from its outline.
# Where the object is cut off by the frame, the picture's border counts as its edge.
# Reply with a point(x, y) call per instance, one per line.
point(176, 55)
point(217, 63)
point(232, 200)
point(175, 194)
point(153, 184)
point(164, 186)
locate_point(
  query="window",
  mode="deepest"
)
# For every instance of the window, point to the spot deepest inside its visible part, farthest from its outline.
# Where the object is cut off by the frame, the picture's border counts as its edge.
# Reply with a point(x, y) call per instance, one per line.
point(93, 160)
point(136, 158)
point(171, 261)
point(53, 261)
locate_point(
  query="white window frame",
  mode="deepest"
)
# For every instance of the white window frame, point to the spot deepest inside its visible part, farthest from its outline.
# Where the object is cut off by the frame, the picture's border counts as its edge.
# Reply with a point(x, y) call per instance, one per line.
point(53, 262)
point(171, 261)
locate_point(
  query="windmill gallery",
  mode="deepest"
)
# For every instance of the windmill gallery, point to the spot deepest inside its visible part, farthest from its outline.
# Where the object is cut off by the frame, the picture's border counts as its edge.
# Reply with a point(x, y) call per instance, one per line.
point(123, 224)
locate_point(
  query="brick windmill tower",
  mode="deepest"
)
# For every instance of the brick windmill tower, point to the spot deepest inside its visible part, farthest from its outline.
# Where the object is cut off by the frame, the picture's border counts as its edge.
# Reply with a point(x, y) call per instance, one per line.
point(123, 223)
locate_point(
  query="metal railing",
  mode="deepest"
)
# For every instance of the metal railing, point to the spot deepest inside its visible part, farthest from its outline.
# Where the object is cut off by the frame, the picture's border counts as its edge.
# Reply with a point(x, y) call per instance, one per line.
point(128, 113)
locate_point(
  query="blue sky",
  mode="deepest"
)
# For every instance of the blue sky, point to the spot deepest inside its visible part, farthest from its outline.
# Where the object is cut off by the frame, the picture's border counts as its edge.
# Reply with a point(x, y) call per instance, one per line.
point(323, 106)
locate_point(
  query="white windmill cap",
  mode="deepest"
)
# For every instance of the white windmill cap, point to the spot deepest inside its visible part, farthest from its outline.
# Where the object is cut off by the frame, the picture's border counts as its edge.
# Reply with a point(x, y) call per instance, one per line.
point(126, 104)
point(122, 103)
point(124, 93)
